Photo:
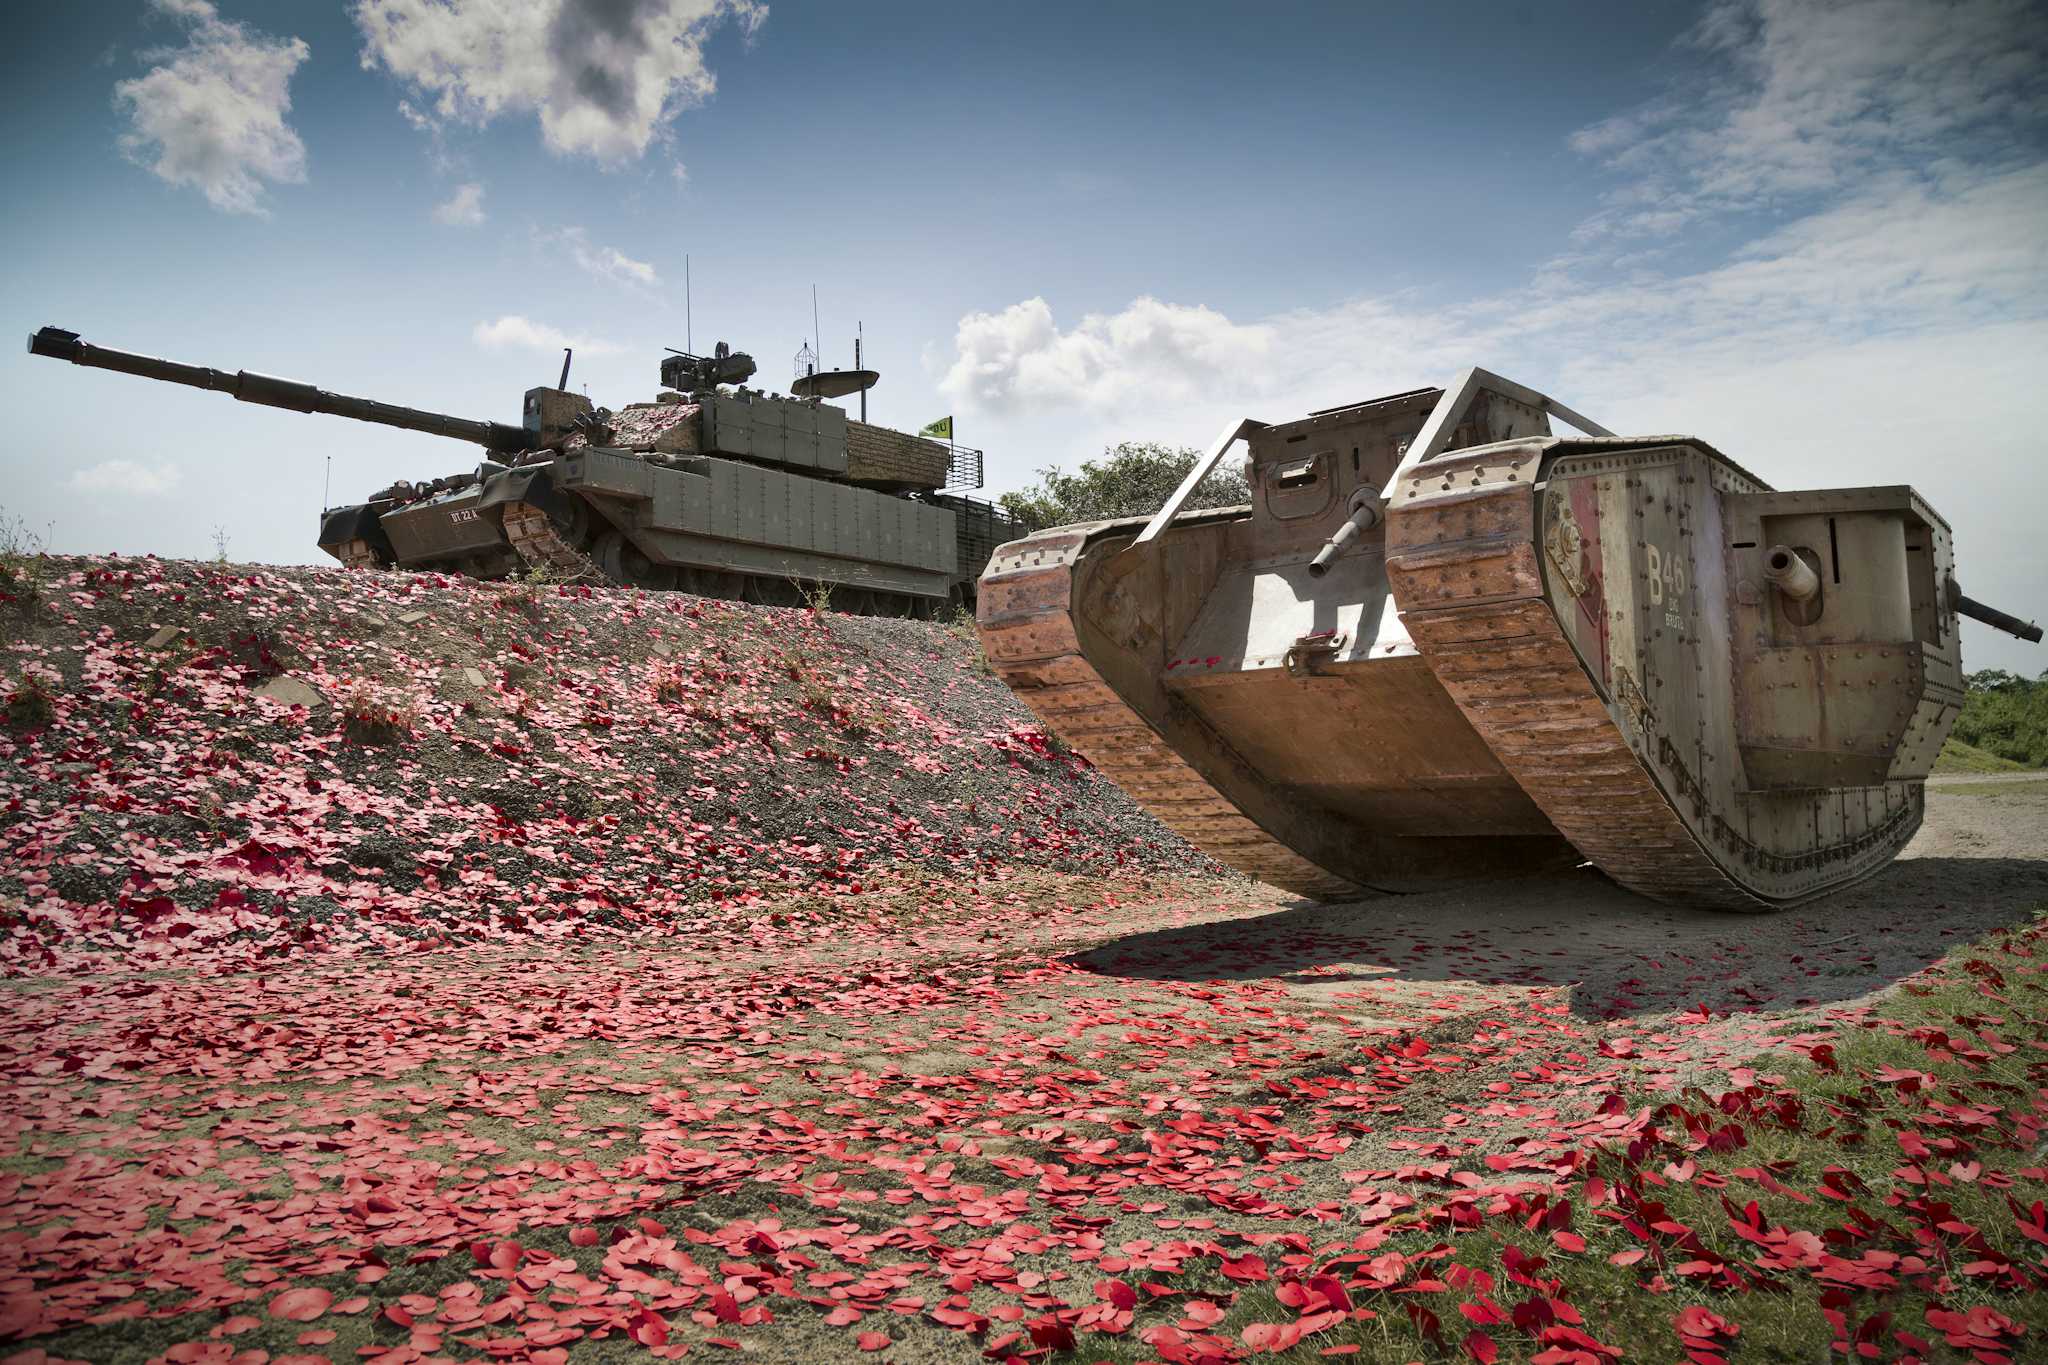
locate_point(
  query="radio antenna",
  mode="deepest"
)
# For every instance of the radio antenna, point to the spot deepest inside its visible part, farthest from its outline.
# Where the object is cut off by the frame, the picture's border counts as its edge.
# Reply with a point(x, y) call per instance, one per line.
point(814, 325)
point(689, 333)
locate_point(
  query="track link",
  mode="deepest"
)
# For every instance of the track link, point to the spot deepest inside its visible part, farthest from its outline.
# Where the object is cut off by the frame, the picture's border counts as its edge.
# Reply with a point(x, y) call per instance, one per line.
point(534, 538)
point(1027, 629)
point(1464, 564)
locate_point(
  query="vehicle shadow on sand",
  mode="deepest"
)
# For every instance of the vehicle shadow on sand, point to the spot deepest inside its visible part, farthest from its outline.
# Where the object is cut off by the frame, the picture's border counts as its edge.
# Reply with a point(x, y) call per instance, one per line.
point(1618, 954)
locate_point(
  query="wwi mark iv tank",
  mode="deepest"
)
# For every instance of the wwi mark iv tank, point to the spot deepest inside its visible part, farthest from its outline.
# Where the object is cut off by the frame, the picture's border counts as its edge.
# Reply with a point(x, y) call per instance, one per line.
point(1444, 644)
point(713, 488)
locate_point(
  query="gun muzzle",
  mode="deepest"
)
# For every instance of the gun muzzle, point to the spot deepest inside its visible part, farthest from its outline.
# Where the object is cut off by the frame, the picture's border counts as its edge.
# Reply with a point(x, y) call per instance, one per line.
point(1790, 574)
point(270, 391)
point(1991, 616)
point(1365, 514)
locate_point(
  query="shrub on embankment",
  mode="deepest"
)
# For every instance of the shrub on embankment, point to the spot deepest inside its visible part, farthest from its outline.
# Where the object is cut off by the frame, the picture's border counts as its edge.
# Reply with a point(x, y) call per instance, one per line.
point(2007, 716)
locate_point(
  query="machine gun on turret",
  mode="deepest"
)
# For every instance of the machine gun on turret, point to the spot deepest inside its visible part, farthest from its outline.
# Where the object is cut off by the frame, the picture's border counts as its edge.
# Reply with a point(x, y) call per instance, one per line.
point(686, 373)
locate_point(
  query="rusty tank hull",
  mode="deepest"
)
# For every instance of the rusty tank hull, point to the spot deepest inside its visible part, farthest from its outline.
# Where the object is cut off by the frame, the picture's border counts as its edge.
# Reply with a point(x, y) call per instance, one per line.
point(1444, 645)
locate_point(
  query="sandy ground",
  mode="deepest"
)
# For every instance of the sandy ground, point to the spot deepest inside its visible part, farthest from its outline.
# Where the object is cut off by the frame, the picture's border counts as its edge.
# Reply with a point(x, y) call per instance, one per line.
point(1979, 862)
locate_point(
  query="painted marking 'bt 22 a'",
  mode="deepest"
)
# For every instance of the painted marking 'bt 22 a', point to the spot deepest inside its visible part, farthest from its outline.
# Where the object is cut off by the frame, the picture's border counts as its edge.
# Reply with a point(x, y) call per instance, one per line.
point(1664, 572)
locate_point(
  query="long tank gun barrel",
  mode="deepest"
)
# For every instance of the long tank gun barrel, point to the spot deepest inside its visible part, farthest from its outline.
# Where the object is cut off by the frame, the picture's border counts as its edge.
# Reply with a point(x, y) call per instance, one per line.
point(271, 391)
point(1991, 616)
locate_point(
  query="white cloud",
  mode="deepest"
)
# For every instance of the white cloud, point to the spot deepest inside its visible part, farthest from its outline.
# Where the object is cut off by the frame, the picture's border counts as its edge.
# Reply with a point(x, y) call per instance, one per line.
point(1924, 117)
point(604, 76)
point(464, 209)
point(211, 114)
point(514, 332)
point(126, 478)
point(1897, 259)
point(1163, 351)
point(605, 262)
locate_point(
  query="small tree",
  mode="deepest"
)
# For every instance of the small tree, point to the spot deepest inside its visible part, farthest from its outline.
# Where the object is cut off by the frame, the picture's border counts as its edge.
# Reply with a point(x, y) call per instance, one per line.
point(1132, 479)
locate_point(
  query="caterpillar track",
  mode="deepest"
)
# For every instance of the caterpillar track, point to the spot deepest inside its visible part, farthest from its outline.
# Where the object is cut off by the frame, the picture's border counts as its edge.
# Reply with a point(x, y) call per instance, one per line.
point(1492, 641)
point(1031, 642)
point(536, 541)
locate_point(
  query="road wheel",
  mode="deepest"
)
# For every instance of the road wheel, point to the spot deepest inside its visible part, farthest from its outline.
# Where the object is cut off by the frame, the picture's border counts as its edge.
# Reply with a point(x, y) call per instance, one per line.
point(623, 562)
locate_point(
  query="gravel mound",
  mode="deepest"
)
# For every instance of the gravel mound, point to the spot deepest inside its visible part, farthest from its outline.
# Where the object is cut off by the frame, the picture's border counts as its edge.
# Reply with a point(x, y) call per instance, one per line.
point(257, 760)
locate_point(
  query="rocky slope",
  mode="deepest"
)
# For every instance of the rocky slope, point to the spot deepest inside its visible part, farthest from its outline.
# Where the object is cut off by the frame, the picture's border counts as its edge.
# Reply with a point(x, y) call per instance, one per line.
point(252, 761)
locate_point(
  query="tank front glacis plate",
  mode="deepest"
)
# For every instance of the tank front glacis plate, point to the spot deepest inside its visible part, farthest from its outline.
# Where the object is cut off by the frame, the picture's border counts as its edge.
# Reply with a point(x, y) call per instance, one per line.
point(447, 526)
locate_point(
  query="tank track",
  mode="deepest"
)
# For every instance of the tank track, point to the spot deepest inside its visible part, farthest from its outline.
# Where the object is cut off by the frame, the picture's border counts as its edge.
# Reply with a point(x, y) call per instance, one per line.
point(357, 554)
point(1516, 678)
point(1029, 636)
point(536, 541)
point(1462, 557)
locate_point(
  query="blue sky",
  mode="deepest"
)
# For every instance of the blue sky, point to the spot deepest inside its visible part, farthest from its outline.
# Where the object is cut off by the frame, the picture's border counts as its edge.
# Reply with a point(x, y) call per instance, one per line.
point(1811, 233)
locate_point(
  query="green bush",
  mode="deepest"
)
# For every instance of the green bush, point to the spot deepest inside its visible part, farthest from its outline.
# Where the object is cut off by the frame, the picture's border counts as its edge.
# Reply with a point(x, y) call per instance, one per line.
point(1133, 479)
point(2006, 715)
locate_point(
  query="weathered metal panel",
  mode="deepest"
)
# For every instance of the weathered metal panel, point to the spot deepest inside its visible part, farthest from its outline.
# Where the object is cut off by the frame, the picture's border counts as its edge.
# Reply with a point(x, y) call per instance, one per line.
point(445, 527)
point(781, 562)
point(609, 471)
point(792, 433)
point(674, 491)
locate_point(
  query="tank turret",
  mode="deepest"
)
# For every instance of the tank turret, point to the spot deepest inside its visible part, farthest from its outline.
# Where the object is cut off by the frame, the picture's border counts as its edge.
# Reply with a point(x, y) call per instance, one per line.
point(1445, 644)
point(712, 487)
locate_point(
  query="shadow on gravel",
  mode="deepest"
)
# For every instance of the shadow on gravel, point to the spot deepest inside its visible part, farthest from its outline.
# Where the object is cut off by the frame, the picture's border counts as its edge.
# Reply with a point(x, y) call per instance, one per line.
point(1620, 956)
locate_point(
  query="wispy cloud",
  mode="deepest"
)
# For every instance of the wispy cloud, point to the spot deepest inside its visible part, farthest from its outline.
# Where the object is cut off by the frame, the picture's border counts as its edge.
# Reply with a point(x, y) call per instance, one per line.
point(513, 332)
point(126, 478)
point(211, 114)
point(1803, 98)
point(604, 76)
point(465, 208)
point(1886, 321)
point(604, 262)
point(1924, 193)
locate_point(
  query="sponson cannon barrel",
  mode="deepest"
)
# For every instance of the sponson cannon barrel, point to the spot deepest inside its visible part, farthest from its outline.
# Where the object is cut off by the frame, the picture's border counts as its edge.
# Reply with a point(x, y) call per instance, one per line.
point(1444, 644)
point(713, 487)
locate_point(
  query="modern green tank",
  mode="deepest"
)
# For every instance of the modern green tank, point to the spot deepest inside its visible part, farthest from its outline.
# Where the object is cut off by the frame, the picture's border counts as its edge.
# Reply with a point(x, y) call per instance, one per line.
point(713, 488)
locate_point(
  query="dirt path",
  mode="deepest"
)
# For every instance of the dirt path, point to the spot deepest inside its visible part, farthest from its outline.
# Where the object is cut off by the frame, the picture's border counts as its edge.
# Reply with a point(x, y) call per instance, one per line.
point(1973, 779)
point(1980, 861)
